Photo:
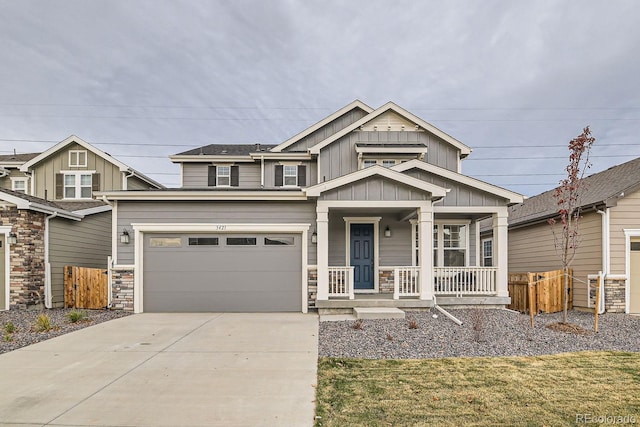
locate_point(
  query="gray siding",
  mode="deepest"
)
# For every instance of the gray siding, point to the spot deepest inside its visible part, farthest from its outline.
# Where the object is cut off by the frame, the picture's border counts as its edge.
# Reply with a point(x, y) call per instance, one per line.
point(134, 183)
point(213, 212)
point(195, 174)
point(460, 195)
point(340, 157)
point(531, 249)
point(85, 243)
point(625, 215)
point(374, 188)
point(5, 182)
point(270, 173)
point(326, 131)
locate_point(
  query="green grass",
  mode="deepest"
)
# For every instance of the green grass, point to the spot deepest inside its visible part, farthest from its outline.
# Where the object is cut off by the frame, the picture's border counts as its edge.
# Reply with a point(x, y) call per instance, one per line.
point(515, 391)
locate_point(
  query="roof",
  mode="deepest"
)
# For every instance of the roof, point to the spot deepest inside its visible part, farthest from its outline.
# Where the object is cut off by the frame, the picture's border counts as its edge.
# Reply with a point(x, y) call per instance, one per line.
point(25, 201)
point(227, 149)
point(17, 158)
point(602, 188)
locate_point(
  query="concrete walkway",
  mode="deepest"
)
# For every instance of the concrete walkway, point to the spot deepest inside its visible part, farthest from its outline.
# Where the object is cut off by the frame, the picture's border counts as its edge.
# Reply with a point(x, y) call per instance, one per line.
point(167, 370)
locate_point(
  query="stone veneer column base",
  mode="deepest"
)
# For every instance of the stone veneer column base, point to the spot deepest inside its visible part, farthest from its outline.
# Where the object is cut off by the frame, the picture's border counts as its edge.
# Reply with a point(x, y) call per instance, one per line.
point(122, 289)
point(614, 293)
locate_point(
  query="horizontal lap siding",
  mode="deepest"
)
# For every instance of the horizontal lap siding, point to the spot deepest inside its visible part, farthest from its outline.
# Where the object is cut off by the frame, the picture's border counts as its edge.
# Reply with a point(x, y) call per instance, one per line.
point(531, 249)
point(86, 243)
point(213, 213)
point(626, 215)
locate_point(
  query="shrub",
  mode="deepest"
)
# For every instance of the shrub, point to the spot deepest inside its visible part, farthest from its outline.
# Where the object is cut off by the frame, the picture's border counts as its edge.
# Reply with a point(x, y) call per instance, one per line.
point(413, 324)
point(76, 316)
point(358, 324)
point(43, 323)
point(9, 328)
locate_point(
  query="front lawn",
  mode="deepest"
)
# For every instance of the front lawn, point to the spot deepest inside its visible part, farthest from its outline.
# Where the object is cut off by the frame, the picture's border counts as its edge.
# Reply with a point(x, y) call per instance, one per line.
point(552, 390)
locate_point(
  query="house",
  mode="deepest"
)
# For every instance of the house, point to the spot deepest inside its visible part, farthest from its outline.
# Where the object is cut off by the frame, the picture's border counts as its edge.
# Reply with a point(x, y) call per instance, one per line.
point(49, 218)
point(609, 237)
point(368, 207)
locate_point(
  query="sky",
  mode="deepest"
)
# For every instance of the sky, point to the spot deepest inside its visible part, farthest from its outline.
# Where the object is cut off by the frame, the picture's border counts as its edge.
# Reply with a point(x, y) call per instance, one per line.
point(515, 80)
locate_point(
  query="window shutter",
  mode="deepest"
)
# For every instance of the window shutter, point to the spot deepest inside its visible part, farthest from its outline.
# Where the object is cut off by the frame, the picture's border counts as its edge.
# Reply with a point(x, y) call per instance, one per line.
point(59, 186)
point(279, 175)
point(235, 176)
point(212, 176)
point(302, 175)
point(95, 182)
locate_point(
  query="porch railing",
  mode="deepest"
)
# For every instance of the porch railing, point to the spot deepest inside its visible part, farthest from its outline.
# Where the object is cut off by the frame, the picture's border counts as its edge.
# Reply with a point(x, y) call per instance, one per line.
point(406, 282)
point(462, 281)
point(341, 282)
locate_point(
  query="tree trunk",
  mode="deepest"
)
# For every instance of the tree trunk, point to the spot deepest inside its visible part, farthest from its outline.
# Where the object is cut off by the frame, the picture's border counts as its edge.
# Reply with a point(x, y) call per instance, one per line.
point(565, 294)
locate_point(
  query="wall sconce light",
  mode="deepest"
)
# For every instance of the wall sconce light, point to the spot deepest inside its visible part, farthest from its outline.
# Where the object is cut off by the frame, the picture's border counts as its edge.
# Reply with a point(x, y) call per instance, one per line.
point(314, 237)
point(12, 239)
point(387, 232)
point(124, 237)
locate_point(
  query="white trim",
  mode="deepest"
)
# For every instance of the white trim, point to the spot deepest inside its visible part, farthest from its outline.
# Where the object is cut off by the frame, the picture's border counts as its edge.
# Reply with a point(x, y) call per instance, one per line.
point(24, 179)
point(210, 158)
point(628, 234)
point(399, 150)
point(202, 195)
point(283, 156)
point(326, 204)
point(471, 209)
point(93, 211)
point(440, 247)
point(308, 131)
point(318, 189)
point(141, 228)
point(77, 156)
point(390, 106)
point(21, 203)
point(375, 221)
point(114, 233)
point(77, 184)
point(482, 257)
point(6, 230)
point(460, 178)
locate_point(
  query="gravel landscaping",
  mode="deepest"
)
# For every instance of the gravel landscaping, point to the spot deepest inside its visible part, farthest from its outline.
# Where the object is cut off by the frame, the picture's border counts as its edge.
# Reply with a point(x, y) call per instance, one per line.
point(485, 332)
point(24, 332)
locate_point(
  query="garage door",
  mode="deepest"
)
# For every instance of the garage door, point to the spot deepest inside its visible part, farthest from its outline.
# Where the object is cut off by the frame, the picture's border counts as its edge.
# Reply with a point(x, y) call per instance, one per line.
point(222, 273)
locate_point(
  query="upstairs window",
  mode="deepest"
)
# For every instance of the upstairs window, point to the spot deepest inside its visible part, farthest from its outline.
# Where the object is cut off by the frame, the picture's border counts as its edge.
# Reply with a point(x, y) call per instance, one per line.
point(19, 185)
point(76, 185)
point(369, 163)
point(78, 159)
point(387, 163)
point(223, 176)
point(290, 175)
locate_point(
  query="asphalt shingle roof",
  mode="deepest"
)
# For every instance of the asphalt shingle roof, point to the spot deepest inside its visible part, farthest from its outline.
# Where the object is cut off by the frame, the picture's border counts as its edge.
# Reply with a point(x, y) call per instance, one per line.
point(25, 157)
point(598, 188)
point(66, 206)
point(227, 149)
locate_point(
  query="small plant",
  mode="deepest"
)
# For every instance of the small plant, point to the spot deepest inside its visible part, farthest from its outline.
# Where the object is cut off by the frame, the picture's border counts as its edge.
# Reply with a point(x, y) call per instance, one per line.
point(9, 328)
point(357, 325)
point(43, 323)
point(412, 324)
point(389, 337)
point(76, 316)
point(8, 337)
point(478, 323)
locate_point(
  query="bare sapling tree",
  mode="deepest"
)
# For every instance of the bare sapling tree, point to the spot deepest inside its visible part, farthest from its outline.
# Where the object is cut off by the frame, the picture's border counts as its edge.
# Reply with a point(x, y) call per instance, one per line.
point(567, 197)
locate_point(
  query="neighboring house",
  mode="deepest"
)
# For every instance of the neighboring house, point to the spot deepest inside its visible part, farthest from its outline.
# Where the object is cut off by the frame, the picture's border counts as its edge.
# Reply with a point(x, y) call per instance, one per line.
point(609, 237)
point(368, 207)
point(52, 219)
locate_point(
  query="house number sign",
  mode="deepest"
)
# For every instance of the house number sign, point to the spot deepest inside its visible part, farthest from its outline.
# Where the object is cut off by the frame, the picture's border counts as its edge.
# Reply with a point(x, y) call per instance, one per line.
point(220, 227)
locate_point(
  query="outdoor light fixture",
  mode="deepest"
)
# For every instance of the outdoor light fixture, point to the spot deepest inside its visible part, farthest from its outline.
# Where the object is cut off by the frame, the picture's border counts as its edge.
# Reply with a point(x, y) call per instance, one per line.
point(314, 237)
point(387, 232)
point(13, 238)
point(124, 237)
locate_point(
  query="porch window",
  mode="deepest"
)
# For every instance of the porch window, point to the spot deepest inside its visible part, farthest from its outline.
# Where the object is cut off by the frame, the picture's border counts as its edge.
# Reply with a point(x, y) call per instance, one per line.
point(450, 243)
point(487, 253)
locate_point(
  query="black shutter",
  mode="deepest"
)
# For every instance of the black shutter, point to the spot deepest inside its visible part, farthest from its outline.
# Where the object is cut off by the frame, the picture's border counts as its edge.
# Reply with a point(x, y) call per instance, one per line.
point(235, 176)
point(279, 175)
point(95, 182)
point(212, 176)
point(302, 175)
point(59, 186)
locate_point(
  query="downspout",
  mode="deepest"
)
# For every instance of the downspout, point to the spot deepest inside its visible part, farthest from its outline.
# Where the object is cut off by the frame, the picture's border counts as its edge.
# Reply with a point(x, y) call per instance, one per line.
point(125, 180)
point(261, 171)
point(605, 256)
point(48, 303)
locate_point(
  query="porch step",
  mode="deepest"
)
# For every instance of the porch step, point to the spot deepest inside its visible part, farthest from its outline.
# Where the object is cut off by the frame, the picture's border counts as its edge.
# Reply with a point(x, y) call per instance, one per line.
point(378, 313)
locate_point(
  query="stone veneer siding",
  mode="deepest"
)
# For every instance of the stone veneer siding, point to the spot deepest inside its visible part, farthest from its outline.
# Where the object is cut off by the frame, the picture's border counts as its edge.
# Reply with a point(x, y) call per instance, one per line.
point(312, 287)
point(614, 293)
point(26, 277)
point(385, 280)
point(122, 289)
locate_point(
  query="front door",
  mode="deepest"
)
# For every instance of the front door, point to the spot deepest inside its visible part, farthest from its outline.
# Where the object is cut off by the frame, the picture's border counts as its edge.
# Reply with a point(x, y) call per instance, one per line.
point(3, 289)
point(634, 279)
point(361, 244)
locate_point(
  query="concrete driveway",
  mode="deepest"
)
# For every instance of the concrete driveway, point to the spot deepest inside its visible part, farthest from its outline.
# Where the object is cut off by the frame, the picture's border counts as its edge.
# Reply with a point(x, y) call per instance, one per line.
point(167, 370)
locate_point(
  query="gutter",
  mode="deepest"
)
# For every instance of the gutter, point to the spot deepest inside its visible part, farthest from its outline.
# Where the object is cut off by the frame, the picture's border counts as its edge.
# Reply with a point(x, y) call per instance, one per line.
point(48, 303)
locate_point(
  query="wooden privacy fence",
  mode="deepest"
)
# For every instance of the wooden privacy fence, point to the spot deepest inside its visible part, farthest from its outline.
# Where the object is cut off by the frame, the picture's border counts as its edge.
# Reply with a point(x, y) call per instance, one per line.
point(548, 287)
point(85, 287)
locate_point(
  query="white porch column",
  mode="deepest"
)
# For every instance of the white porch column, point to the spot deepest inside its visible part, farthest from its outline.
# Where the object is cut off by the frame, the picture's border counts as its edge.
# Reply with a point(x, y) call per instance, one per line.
point(322, 223)
point(425, 230)
point(500, 251)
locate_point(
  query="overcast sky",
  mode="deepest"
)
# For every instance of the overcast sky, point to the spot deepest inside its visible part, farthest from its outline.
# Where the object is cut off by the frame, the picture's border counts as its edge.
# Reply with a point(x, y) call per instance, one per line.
point(515, 80)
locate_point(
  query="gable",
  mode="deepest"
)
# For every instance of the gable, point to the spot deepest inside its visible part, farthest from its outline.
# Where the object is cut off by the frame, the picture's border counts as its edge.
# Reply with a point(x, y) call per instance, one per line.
point(375, 188)
point(459, 194)
point(390, 121)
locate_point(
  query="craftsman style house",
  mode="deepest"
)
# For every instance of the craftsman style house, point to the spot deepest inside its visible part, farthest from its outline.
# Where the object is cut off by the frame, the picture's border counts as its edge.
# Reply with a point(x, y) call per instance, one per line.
point(368, 207)
point(49, 218)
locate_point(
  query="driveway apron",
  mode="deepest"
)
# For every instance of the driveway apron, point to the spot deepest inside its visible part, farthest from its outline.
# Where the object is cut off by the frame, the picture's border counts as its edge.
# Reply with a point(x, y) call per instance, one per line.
point(217, 369)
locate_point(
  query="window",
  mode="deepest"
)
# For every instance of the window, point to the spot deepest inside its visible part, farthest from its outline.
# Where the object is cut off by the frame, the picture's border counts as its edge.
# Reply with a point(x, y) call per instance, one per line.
point(78, 159)
point(241, 241)
point(415, 232)
point(19, 185)
point(277, 241)
point(450, 245)
point(435, 245)
point(203, 241)
point(223, 176)
point(165, 242)
point(290, 175)
point(77, 185)
point(387, 163)
point(368, 163)
point(487, 253)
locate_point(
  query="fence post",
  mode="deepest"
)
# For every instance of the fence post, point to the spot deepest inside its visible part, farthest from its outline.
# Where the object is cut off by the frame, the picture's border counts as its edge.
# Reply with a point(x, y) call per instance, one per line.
point(531, 296)
point(597, 304)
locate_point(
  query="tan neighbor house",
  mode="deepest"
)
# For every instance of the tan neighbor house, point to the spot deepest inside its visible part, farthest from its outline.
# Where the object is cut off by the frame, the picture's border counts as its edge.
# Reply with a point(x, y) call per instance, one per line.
point(609, 237)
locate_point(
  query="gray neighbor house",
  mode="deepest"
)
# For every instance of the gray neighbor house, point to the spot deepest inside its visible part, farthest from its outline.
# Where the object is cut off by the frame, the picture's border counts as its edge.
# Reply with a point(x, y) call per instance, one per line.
point(366, 208)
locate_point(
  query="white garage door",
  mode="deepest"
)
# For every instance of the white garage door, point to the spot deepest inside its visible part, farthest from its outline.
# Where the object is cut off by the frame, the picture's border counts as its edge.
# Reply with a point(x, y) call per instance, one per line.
point(248, 272)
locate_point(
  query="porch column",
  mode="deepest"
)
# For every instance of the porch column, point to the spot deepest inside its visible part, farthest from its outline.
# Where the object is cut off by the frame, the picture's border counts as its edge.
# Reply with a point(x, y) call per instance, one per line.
point(322, 223)
point(425, 230)
point(501, 250)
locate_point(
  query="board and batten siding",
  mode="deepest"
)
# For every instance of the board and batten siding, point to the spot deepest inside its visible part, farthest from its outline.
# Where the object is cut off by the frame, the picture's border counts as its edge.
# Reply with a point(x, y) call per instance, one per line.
point(85, 243)
point(459, 194)
point(375, 188)
point(626, 214)
point(532, 249)
point(46, 170)
point(219, 212)
point(340, 157)
point(327, 130)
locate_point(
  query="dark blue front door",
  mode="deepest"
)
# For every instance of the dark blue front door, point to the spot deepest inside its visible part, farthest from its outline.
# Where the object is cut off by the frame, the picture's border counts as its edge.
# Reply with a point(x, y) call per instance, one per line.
point(362, 255)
